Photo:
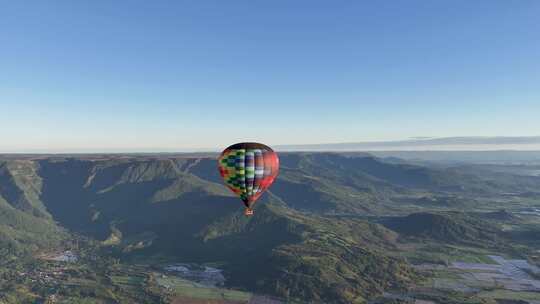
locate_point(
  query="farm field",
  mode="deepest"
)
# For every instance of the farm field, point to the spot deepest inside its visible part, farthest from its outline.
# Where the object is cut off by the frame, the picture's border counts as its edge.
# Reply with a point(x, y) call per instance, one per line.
point(190, 290)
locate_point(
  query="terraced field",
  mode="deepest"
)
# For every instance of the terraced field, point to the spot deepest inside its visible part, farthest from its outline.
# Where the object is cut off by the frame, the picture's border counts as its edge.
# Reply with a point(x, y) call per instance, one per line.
point(502, 279)
point(184, 289)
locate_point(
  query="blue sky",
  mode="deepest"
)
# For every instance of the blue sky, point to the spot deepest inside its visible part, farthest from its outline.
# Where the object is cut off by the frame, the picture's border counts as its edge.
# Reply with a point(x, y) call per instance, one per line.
point(175, 75)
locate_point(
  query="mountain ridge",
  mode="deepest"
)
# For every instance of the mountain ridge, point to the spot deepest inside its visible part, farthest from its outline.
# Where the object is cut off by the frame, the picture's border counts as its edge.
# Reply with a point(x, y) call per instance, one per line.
point(310, 237)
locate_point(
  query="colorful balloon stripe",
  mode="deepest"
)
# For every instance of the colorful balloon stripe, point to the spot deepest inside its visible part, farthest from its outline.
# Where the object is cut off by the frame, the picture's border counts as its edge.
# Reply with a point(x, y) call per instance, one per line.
point(248, 169)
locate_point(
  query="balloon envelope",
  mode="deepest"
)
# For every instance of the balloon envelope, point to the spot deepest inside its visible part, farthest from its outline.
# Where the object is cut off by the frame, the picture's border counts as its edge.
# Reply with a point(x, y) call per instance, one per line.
point(248, 169)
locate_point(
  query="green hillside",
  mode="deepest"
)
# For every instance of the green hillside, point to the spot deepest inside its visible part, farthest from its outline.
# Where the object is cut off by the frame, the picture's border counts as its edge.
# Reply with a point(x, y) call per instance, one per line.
point(25, 225)
point(322, 233)
point(451, 227)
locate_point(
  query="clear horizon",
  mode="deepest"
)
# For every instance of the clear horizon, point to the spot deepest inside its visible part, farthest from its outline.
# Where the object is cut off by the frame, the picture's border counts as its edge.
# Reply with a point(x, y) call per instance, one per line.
point(181, 76)
point(525, 144)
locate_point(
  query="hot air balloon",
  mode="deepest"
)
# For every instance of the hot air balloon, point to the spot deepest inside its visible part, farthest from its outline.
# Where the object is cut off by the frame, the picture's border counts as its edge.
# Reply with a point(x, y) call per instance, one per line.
point(248, 169)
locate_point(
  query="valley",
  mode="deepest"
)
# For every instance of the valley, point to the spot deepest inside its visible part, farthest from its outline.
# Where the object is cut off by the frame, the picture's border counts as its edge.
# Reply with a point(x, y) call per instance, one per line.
point(334, 228)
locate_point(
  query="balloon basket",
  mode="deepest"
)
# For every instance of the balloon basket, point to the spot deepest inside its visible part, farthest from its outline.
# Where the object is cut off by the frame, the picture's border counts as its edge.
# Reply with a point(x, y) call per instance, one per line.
point(248, 212)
